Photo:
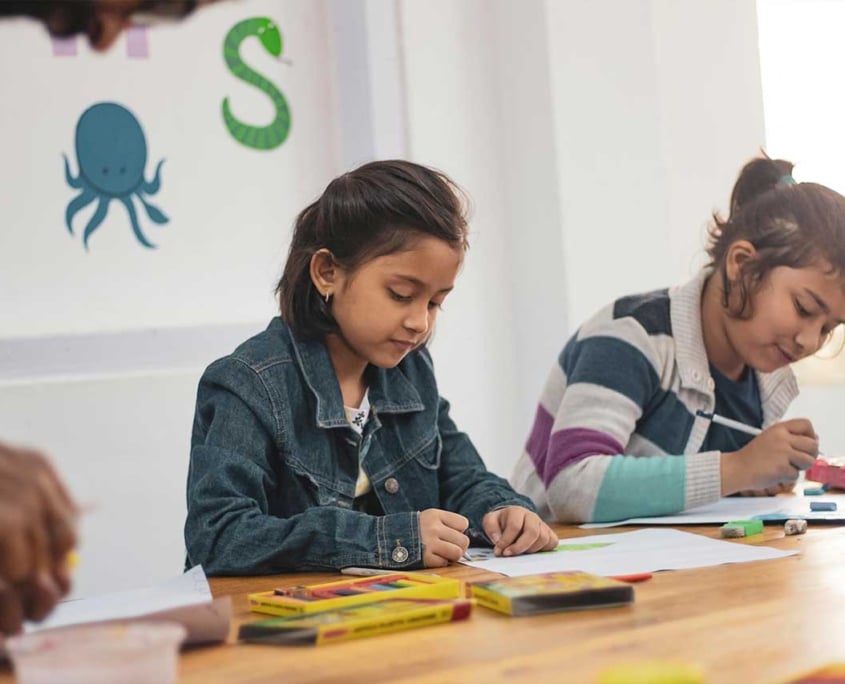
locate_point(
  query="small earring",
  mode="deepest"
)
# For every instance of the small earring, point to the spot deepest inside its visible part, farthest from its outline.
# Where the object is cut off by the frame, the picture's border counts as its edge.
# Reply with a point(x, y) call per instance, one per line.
point(328, 296)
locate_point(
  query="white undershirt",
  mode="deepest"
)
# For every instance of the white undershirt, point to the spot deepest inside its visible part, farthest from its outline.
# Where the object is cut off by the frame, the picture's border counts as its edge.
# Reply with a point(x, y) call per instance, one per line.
point(357, 418)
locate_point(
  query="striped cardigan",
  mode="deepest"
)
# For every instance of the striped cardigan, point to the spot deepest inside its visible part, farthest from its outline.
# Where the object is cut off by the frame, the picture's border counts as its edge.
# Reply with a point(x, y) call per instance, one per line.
point(627, 385)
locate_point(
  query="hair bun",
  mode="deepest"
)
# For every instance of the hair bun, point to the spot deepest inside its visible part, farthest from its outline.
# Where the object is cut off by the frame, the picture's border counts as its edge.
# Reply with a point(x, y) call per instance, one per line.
point(757, 177)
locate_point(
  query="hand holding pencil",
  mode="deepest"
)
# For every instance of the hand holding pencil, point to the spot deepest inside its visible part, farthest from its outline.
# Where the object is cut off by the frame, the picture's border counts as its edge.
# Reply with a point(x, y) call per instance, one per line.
point(774, 457)
point(443, 538)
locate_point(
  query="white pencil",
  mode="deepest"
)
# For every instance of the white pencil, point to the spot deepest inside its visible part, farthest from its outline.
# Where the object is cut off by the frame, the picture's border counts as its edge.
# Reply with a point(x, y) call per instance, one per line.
point(727, 422)
point(735, 424)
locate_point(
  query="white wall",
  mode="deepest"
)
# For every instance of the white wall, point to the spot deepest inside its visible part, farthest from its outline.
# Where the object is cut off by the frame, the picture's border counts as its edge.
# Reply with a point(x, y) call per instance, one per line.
point(595, 137)
point(230, 207)
point(657, 106)
point(122, 444)
point(476, 77)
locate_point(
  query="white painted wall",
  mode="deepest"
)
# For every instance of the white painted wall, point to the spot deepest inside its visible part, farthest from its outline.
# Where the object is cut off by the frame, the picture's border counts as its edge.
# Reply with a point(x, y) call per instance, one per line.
point(230, 207)
point(657, 106)
point(596, 137)
point(593, 136)
point(479, 108)
point(122, 444)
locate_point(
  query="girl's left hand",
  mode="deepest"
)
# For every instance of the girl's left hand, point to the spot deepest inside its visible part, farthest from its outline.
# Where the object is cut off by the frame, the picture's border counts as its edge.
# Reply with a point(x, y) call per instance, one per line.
point(782, 488)
point(515, 530)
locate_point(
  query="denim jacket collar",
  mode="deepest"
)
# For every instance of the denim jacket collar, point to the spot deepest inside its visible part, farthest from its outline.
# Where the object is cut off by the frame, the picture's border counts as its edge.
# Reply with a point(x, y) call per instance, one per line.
point(390, 391)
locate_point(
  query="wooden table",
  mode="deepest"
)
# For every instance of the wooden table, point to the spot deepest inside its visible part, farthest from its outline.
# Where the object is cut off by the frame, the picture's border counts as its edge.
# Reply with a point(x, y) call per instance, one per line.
point(748, 623)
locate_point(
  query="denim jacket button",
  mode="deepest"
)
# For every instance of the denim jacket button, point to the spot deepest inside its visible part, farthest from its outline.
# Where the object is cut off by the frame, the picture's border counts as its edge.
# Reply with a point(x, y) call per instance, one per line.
point(391, 484)
point(399, 555)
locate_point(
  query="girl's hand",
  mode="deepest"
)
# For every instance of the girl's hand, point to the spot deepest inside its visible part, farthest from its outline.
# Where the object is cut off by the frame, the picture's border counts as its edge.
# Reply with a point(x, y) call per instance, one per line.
point(773, 457)
point(443, 537)
point(515, 530)
point(37, 530)
point(782, 488)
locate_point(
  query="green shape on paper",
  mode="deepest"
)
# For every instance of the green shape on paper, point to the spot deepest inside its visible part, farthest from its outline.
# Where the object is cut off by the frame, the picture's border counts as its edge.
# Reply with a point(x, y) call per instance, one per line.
point(582, 547)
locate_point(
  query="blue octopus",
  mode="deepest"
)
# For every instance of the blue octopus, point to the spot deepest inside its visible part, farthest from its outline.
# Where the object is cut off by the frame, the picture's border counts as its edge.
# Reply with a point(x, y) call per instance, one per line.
point(112, 153)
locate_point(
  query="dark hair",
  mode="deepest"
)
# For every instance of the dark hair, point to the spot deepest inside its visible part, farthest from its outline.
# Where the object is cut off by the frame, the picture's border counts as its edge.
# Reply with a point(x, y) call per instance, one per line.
point(790, 224)
point(65, 18)
point(380, 208)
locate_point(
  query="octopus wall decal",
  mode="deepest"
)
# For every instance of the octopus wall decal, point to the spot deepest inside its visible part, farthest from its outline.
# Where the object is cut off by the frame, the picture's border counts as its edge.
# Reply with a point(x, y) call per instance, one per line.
point(111, 153)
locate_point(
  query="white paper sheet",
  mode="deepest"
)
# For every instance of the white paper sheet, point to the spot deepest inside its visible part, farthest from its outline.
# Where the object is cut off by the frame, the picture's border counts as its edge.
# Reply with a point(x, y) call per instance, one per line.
point(185, 599)
point(627, 553)
point(774, 508)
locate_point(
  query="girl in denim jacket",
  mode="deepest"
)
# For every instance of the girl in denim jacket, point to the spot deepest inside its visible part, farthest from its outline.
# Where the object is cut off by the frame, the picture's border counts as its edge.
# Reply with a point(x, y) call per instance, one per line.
point(322, 442)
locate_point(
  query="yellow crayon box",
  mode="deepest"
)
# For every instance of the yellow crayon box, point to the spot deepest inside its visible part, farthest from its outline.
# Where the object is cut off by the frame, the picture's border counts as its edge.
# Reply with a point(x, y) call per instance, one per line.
point(550, 592)
point(314, 598)
point(355, 622)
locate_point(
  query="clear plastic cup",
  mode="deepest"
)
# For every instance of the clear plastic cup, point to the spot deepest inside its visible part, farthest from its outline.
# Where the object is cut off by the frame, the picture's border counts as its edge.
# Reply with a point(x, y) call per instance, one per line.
point(124, 653)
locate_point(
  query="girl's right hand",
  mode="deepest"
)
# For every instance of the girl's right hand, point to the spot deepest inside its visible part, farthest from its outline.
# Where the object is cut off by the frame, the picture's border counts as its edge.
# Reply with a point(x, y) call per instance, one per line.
point(774, 456)
point(443, 537)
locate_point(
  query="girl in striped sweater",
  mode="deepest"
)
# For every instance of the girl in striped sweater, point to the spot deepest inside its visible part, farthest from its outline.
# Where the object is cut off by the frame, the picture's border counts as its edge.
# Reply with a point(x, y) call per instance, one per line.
point(618, 431)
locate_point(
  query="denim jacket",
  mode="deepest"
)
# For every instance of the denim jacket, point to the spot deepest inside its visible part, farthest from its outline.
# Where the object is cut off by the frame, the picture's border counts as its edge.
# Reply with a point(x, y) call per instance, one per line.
point(274, 462)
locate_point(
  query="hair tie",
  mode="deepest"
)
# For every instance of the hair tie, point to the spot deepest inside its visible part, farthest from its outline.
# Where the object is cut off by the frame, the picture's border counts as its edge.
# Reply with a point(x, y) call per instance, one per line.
point(786, 180)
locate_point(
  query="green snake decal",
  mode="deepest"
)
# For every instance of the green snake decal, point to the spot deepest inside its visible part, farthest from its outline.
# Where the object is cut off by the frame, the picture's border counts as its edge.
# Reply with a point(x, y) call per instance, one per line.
point(258, 137)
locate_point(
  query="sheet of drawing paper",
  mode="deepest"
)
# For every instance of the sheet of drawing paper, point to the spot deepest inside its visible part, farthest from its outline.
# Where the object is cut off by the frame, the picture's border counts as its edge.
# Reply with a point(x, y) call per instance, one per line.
point(185, 599)
point(774, 508)
point(627, 553)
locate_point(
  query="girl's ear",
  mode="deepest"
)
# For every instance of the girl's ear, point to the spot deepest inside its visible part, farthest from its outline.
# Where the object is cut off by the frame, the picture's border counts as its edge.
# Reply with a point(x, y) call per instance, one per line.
point(738, 254)
point(325, 272)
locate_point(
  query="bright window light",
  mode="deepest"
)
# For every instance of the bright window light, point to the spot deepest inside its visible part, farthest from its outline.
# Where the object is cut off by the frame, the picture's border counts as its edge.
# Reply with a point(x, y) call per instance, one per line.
point(802, 55)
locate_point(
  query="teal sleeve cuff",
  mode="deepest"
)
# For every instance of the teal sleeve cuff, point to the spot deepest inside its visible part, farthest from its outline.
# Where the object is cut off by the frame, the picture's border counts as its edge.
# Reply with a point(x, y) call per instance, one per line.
point(637, 487)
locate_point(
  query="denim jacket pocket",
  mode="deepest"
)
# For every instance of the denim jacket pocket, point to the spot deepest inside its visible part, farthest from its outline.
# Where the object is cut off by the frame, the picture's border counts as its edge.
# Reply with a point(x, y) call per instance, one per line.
point(412, 482)
point(427, 455)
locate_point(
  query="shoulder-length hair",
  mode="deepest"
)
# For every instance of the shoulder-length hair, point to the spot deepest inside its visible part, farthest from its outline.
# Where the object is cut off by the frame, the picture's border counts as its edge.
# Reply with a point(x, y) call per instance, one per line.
point(377, 209)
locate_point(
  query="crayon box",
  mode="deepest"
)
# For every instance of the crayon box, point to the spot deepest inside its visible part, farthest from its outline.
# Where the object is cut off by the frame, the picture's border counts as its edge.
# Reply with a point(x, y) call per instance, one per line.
point(354, 622)
point(314, 598)
point(550, 592)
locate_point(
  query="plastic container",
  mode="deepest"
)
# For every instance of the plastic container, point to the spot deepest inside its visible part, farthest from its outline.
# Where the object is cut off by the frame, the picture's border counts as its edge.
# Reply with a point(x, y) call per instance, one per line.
point(117, 653)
